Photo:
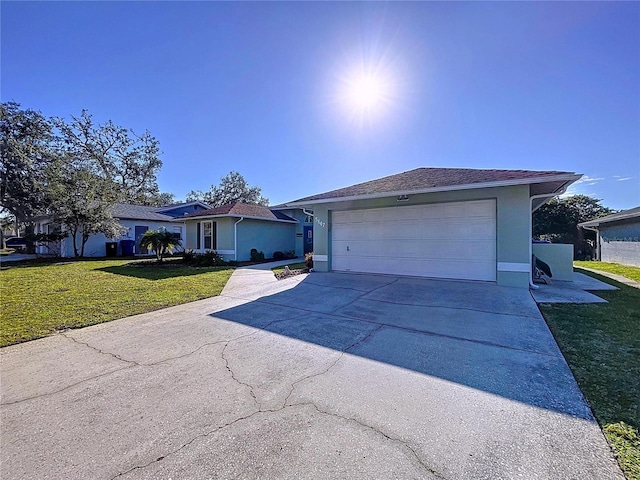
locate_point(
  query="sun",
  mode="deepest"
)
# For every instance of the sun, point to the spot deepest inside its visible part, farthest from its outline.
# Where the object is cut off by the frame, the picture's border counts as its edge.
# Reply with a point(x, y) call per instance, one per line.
point(365, 95)
point(367, 91)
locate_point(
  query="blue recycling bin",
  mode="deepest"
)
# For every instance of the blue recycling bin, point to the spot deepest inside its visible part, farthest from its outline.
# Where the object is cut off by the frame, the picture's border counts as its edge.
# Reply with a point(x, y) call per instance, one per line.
point(128, 247)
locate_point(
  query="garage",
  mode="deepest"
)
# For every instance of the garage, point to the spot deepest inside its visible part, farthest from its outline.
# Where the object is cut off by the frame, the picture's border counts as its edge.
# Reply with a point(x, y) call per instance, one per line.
point(442, 240)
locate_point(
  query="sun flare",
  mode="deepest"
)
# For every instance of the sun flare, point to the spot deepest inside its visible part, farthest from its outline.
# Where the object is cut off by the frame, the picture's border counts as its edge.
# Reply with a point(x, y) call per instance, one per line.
point(366, 95)
point(367, 91)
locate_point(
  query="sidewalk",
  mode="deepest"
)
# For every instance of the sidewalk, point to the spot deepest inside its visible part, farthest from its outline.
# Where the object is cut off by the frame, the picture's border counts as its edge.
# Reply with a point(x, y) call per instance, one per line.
point(613, 276)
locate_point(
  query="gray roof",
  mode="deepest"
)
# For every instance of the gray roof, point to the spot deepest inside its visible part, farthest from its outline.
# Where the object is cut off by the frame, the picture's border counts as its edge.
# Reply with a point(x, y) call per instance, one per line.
point(425, 179)
point(624, 215)
point(138, 212)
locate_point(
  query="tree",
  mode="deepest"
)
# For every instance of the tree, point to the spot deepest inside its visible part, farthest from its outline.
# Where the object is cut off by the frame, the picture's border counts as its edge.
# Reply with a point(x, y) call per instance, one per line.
point(25, 153)
point(558, 219)
point(82, 202)
point(161, 241)
point(233, 188)
point(129, 160)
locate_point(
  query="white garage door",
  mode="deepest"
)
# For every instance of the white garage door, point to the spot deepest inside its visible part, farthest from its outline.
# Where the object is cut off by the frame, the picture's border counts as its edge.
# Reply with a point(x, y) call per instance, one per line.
point(445, 240)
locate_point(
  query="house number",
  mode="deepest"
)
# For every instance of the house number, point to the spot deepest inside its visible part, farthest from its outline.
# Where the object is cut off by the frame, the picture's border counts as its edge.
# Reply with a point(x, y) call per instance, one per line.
point(320, 222)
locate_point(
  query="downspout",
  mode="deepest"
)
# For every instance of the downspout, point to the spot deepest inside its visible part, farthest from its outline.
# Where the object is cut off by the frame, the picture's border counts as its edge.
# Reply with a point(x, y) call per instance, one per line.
point(235, 239)
point(306, 212)
point(531, 199)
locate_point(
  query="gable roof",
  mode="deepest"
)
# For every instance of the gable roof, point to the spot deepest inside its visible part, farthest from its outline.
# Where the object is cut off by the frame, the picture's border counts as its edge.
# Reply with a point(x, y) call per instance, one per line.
point(614, 217)
point(138, 212)
point(426, 179)
point(249, 210)
point(175, 206)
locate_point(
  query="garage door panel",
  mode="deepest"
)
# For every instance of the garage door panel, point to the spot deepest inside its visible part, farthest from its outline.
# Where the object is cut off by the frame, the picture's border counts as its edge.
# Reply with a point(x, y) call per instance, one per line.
point(451, 240)
point(481, 209)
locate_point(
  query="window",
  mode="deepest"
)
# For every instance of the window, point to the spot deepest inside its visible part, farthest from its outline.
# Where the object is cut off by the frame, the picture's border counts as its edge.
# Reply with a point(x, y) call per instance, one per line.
point(209, 235)
point(177, 233)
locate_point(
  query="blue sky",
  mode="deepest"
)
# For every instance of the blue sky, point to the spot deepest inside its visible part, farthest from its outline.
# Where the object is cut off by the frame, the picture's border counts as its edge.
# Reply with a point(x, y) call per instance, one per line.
point(259, 87)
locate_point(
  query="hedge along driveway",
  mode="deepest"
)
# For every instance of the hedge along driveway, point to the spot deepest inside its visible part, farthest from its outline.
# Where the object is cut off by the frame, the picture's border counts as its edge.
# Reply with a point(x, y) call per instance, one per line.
point(39, 299)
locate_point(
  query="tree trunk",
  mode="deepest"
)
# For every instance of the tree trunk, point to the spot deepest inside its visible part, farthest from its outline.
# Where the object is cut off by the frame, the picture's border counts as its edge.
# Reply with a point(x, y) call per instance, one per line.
point(74, 232)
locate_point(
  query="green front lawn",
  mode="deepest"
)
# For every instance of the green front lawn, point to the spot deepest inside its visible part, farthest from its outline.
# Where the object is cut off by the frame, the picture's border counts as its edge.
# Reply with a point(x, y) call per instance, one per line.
point(601, 343)
point(41, 298)
point(632, 273)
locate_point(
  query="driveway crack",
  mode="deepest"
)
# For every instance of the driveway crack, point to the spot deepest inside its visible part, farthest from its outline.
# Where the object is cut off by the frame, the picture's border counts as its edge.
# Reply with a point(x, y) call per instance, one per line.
point(404, 443)
point(110, 354)
point(67, 387)
point(184, 445)
point(331, 365)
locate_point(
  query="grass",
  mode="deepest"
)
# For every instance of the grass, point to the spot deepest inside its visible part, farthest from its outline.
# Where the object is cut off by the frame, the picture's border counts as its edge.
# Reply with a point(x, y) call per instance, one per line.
point(632, 273)
point(601, 343)
point(41, 297)
point(292, 266)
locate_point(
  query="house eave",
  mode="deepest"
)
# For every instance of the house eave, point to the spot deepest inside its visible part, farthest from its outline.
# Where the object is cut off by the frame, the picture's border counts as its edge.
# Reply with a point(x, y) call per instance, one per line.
point(250, 217)
point(594, 224)
point(470, 186)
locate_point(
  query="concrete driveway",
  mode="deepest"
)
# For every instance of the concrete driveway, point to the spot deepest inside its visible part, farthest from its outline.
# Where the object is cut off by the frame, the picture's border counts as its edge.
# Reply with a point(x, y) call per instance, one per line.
point(318, 376)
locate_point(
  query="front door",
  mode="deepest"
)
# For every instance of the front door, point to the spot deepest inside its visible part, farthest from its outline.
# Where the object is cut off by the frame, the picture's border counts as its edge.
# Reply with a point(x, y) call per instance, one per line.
point(308, 239)
point(140, 231)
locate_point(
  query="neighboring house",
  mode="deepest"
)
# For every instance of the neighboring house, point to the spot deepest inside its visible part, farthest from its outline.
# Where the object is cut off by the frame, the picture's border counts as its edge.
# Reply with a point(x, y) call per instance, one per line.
point(617, 237)
point(434, 222)
point(234, 230)
point(136, 219)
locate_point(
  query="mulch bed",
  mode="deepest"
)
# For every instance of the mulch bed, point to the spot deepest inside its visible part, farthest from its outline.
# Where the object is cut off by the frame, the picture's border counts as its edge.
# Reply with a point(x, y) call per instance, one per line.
point(291, 273)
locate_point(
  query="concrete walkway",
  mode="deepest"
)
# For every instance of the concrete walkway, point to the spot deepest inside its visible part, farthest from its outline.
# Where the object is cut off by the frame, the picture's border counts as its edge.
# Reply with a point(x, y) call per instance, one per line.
point(613, 276)
point(578, 291)
point(316, 376)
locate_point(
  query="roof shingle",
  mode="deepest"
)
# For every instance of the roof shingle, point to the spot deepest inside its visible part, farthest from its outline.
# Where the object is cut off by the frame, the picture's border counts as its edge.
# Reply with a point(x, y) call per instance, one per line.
point(242, 210)
point(429, 177)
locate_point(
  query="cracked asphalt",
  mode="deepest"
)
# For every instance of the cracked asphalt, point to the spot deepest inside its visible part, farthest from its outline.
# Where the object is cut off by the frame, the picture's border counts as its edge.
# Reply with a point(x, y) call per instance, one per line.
point(316, 376)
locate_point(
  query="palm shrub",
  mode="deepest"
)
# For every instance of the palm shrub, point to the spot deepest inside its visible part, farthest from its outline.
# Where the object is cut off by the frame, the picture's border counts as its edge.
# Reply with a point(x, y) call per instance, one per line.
point(161, 241)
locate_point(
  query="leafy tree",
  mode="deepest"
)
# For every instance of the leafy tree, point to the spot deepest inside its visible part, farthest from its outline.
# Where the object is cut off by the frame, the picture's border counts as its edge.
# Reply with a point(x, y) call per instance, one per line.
point(82, 202)
point(161, 241)
point(25, 154)
point(129, 160)
point(233, 188)
point(558, 219)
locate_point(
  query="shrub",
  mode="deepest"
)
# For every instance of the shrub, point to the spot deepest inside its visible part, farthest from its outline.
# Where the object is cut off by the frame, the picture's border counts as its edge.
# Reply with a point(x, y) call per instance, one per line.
point(289, 254)
point(308, 259)
point(257, 256)
point(279, 256)
point(207, 259)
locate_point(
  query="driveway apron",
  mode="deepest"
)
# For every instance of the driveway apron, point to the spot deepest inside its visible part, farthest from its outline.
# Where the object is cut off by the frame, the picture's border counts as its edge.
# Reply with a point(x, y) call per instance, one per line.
point(317, 376)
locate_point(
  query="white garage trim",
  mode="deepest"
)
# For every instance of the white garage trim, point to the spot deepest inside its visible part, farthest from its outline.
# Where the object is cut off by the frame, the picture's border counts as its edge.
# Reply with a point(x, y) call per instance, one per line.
point(445, 240)
point(513, 267)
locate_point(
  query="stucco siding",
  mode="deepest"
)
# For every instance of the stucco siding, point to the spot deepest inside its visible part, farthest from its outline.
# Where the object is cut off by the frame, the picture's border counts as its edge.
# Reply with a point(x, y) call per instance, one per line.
point(224, 235)
point(512, 224)
point(191, 239)
point(267, 237)
point(299, 215)
point(620, 243)
point(96, 245)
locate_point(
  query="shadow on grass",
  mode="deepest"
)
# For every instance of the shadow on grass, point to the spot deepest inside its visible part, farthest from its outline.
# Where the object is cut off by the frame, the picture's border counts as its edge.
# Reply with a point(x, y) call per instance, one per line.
point(158, 272)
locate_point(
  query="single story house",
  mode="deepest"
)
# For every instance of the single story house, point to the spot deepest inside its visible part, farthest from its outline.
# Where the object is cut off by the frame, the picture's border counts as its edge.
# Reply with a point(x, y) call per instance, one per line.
point(617, 237)
point(234, 230)
point(453, 223)
point(136, 219)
